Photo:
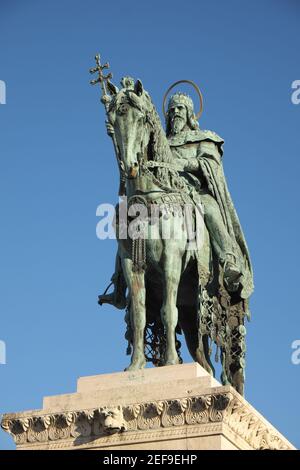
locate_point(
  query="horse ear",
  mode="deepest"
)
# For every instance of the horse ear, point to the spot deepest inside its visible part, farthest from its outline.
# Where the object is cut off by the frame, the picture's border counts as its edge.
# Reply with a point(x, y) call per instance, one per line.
point(112, 89)
point(138, 87)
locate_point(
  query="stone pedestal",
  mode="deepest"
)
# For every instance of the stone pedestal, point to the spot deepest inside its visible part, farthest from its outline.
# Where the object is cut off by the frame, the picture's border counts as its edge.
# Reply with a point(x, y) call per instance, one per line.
point(173, 407)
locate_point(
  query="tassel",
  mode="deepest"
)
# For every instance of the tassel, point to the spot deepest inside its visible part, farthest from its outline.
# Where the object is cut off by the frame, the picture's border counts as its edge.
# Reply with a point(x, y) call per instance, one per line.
point(217, 354)
point(210, 349)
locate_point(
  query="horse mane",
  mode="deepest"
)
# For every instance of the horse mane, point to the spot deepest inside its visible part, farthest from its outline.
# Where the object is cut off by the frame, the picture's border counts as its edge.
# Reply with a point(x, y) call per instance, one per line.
point(160, 147)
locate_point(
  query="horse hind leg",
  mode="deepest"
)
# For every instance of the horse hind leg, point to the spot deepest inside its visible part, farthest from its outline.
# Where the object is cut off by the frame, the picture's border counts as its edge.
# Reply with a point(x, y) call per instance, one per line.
point(203, 356)
point(224, 361)
point(199, 352)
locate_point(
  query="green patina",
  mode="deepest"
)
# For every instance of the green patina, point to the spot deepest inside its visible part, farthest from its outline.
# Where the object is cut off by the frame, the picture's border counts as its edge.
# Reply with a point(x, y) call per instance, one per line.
point(165, 288)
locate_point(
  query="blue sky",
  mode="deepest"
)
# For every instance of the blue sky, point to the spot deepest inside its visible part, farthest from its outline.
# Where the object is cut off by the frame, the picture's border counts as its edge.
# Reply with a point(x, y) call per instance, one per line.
point(57, 165)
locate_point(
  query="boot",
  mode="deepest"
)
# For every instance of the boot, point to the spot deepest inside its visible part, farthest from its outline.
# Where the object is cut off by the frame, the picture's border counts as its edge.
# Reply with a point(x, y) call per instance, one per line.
point(232, 273)
point(117, 298)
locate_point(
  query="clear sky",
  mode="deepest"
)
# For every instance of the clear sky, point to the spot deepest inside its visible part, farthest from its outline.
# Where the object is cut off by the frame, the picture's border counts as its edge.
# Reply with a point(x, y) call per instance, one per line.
point(57, 165)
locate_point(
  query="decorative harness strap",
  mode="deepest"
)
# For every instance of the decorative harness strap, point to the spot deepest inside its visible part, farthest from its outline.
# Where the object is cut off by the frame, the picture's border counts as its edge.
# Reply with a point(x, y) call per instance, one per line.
point(171, 200)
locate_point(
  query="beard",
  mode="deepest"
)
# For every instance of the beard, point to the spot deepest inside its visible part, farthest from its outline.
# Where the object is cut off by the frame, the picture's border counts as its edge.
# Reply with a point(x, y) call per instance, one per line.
point(178, 124)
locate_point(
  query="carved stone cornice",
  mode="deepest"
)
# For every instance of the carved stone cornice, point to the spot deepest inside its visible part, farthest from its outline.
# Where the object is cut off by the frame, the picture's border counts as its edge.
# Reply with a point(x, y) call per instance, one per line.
point(226, 408)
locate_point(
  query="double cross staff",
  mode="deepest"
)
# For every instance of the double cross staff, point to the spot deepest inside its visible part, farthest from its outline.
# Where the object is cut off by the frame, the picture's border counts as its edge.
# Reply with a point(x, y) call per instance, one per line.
point(104, 80)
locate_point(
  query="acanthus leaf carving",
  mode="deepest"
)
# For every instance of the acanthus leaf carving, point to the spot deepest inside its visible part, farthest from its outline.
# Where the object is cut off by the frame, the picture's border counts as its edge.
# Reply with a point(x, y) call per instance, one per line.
point(219, 404)
point(149, 415)
point(197, 411)
point(174, 413)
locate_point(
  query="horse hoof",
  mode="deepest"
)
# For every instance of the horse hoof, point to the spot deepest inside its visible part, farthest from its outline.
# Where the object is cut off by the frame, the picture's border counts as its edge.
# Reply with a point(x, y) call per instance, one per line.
point(172, 362)
point(238, 381)
point(136, 365)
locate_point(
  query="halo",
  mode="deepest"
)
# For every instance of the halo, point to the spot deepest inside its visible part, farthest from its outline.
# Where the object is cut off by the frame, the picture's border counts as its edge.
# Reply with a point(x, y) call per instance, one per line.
point(190, 82)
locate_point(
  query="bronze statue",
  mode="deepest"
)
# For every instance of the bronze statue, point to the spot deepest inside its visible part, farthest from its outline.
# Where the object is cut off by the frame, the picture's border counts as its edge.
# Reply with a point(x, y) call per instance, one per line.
point(173, 285)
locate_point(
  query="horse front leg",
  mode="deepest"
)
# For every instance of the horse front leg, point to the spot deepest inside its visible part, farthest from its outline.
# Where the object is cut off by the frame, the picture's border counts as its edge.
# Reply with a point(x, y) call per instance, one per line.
point(136, 286)
point(169, 313)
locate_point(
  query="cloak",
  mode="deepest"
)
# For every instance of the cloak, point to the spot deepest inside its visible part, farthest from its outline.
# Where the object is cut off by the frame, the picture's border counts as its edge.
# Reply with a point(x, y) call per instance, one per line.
point(209, 155)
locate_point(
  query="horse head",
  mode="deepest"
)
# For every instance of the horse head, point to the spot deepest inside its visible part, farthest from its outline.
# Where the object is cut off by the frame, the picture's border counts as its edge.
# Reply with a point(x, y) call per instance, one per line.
point(129, 115)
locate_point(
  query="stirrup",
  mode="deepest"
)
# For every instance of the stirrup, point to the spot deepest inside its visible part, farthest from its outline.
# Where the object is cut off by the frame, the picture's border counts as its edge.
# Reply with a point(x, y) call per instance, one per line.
point(100, 297)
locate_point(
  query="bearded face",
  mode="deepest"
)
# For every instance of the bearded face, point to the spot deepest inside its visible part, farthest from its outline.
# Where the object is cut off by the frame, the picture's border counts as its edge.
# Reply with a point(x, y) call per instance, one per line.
point(178, 118)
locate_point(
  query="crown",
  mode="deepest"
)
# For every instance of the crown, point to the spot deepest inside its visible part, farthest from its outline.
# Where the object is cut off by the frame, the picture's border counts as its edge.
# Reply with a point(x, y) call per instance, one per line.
point(181, 98)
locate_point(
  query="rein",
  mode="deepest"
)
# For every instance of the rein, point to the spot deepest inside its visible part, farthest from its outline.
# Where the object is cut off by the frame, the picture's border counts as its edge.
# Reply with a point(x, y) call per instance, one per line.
point(145, 169)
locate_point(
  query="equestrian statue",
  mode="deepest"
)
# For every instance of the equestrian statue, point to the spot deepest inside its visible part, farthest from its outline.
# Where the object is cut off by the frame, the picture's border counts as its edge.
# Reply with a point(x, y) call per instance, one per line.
point(182, 264)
